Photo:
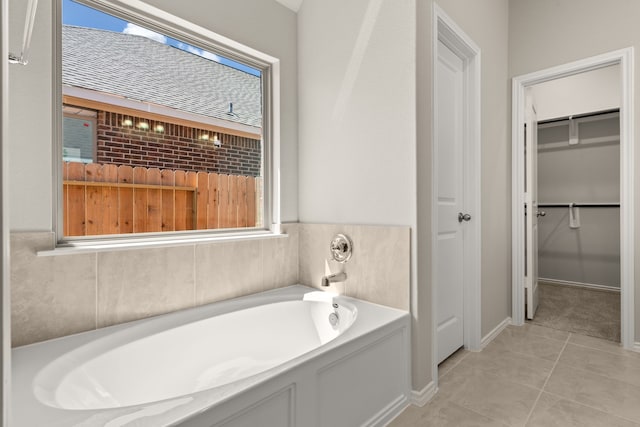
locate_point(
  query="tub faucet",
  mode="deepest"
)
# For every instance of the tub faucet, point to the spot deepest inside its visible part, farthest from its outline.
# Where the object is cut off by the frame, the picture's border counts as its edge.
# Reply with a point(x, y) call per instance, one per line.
point(332, 278)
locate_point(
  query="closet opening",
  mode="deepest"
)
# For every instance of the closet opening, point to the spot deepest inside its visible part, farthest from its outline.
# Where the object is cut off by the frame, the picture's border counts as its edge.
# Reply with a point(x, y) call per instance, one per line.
point(579, 224)
point(573, 198)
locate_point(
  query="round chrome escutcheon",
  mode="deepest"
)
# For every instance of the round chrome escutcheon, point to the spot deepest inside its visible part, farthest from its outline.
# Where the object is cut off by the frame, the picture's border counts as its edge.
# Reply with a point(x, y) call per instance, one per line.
point(341, 248)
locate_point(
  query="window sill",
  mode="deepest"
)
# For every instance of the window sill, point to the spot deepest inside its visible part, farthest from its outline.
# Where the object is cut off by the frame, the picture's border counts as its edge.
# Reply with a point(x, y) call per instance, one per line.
point(80, 247)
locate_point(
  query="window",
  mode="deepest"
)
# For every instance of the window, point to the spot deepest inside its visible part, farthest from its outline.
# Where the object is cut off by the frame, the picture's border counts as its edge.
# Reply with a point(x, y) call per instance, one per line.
point(164, 130)
point(79, 135)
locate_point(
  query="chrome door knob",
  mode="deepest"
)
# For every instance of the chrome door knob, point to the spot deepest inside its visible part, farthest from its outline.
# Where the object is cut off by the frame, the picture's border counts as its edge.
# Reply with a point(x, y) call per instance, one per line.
point(541, 213)
point(463, 217)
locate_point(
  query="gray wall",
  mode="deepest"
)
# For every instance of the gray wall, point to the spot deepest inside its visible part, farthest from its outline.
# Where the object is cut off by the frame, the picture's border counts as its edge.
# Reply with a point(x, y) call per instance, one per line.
point(587, 172)
point(576, 29)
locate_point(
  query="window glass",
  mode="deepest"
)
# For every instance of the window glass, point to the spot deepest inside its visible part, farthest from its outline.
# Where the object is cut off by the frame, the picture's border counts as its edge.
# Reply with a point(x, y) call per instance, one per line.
point(79, 131)
point(158, 135)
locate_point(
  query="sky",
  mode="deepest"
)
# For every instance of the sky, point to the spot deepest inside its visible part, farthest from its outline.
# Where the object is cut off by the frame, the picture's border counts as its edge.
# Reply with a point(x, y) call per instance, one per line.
point(82, 16)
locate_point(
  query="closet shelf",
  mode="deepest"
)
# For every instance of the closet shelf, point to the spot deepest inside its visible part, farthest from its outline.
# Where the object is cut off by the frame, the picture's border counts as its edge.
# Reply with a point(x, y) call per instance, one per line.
point(579, 205)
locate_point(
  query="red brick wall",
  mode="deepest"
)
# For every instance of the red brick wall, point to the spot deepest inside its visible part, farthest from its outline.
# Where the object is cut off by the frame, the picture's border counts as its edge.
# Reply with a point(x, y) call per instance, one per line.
point(177, 147)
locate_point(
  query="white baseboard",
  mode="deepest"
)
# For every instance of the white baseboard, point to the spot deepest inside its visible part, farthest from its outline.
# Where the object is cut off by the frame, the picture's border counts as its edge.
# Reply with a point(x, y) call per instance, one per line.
point(580, 284)
point(495, 332)
point(388, 413)
point(422, 397)
point(636, 347)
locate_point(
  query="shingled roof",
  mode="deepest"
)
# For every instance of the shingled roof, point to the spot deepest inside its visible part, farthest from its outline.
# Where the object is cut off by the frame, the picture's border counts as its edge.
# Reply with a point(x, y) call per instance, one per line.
point(145, 70)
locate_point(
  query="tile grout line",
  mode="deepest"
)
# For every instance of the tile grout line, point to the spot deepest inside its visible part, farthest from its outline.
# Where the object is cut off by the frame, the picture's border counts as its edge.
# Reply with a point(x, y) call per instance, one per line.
point(592, 407)
point(97, 289)
point(547, 380)
point(477, 413)
point(615, 353)
point(592, 347)
point(467, 352)
point(195, 272)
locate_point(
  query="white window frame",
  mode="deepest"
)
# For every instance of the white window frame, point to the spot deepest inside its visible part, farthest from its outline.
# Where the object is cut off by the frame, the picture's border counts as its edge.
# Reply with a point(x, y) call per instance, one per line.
point(158, 20)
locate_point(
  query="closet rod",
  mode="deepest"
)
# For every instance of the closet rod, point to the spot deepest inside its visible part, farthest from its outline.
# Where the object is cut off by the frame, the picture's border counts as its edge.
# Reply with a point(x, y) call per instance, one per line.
point(579, 205)
point(579, 116)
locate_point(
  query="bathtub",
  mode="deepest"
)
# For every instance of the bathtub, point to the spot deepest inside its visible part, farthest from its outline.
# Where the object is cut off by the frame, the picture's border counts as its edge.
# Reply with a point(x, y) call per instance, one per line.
point(288, 357)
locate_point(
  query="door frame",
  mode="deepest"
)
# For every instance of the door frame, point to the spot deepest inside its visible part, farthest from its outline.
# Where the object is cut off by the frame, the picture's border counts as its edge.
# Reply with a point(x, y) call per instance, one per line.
point(624, 58)
point(447, 31)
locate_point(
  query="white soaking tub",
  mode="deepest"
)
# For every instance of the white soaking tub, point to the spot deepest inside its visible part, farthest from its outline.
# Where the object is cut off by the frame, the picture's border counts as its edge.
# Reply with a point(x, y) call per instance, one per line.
point(288, 357)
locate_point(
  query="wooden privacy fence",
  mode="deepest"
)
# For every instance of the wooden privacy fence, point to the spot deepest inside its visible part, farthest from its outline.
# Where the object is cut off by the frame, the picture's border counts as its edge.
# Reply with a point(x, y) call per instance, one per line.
point(111, 199)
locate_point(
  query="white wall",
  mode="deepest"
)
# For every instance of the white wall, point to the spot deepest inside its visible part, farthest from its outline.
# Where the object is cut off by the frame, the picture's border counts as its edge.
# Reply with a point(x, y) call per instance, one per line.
point(264, 25)
point(357, 111)
point(595, 90)
point(576, 29)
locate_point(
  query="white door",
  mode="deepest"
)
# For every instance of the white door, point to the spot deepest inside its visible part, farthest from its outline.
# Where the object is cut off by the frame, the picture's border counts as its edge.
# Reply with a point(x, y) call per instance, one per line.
point(449, 124)
point(531, 210)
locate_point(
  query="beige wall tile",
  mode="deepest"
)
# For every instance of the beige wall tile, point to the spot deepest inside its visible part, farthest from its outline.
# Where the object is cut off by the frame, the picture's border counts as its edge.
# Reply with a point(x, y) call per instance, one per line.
point(314, 257)
point(381, 259)
point(96, 290)
point(228, 269)
point(378, 271)
point(280, 259)
point(140, 283)
point(51, 296)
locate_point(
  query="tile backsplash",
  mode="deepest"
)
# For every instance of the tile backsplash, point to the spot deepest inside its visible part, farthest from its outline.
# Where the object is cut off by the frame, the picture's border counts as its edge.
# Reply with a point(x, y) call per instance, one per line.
point(379, 268)
point(54, 296)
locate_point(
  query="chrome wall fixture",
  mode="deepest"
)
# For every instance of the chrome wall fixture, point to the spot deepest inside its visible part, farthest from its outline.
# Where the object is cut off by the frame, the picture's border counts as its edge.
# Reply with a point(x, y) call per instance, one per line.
point(32, 6)
point(341, 248)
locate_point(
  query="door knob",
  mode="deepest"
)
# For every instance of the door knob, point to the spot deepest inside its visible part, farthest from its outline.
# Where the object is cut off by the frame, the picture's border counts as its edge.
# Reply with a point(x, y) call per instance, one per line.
point(541, 213)
point(463, 217)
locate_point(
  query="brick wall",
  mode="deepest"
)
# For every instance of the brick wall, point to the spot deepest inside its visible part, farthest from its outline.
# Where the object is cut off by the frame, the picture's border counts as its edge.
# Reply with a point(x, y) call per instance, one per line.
point(176, 147)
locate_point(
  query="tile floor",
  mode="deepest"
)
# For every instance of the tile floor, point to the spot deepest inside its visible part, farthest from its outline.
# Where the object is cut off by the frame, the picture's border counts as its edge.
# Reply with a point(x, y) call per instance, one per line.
point(536, 377)
point(584, 311)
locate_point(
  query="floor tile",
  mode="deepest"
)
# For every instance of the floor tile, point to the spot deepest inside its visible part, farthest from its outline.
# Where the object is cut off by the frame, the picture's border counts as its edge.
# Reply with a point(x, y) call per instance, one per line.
point(619, 367)
point(573, 380)
point(553, 411)
point(597, 391)
point(543, 331)
point(590, 312)
point(520, 340)
point(515, 367)
point(452, 361)
point(447, 414)
point(602, 344)
point(489, 395)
